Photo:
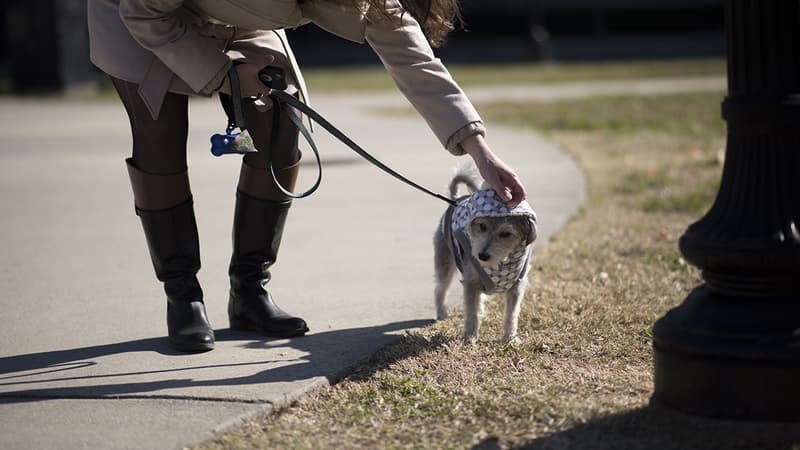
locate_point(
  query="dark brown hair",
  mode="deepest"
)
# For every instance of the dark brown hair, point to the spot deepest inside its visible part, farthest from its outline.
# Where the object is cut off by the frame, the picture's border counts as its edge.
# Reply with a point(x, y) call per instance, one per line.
point(436, 17)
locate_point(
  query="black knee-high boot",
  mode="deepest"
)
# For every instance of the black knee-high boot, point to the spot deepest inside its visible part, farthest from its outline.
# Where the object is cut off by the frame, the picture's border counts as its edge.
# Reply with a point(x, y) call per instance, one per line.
point(257, 232)
point(164, 205)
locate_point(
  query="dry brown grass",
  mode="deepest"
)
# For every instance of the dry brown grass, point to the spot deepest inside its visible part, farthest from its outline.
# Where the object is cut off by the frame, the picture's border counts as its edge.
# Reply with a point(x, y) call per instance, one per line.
point(582, 378)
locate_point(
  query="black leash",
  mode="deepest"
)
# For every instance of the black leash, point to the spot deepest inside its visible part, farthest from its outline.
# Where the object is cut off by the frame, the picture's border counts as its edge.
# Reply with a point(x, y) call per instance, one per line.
point(283, 97)
point(274, 77)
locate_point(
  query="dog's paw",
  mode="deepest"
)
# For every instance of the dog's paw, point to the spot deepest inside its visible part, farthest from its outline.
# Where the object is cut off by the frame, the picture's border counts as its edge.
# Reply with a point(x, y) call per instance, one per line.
point(511, 340)
point(442, 314)
point(469, 339)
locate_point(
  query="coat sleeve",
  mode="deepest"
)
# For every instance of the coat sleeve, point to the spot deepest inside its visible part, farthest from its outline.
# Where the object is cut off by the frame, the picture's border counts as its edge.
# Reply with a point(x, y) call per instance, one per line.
point(424, 80)
point(156, 26)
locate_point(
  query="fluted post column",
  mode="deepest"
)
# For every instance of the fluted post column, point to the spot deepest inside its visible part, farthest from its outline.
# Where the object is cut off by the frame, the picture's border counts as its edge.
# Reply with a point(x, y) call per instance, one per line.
point(732, 348)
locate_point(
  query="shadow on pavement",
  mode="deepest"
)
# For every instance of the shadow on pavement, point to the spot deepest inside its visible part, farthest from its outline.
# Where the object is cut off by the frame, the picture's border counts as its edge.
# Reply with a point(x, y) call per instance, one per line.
point(323, 358)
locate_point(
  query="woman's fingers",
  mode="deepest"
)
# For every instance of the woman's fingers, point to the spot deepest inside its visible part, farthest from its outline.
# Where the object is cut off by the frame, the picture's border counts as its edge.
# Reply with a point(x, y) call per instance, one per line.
point(515, 190)
point(492, 178)
point(508, 188)
point(497, 174)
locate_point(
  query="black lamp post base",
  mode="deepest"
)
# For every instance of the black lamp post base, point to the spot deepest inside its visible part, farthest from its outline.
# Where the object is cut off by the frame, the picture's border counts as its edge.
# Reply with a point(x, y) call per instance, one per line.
point(729, 357)
point(732, 349)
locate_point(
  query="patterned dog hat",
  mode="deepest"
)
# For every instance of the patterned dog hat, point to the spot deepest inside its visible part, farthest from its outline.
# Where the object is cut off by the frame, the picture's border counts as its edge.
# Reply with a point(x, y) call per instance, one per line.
point(485, 203)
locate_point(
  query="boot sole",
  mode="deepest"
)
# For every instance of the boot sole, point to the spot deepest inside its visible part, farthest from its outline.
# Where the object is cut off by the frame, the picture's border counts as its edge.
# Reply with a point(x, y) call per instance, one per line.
point(191, 347)
point(246, 325)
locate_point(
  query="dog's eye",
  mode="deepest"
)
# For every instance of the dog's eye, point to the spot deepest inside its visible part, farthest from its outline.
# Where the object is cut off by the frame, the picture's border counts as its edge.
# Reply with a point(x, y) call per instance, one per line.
point(505, 234)
point(482, 227)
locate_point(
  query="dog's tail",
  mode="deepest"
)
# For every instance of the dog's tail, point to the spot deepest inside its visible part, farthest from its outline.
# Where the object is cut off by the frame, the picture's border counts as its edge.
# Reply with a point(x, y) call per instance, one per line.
point(466, 175)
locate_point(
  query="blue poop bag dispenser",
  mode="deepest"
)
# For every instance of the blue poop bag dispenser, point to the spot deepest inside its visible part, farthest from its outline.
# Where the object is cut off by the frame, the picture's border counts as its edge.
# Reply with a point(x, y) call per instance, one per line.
point(232, 143)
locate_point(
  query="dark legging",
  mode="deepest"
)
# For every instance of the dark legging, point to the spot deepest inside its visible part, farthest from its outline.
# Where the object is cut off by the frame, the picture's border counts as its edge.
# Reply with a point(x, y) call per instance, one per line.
point(159, 146)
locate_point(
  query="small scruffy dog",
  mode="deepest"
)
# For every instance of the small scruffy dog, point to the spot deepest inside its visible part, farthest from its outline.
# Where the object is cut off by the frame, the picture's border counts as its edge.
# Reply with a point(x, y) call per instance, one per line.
point(490, 244)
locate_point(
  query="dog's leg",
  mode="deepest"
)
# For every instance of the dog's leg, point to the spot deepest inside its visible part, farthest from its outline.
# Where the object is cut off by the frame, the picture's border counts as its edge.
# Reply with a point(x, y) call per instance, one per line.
point(472, 311)
point(514, 298)
point(443, 281)
point(444, 269)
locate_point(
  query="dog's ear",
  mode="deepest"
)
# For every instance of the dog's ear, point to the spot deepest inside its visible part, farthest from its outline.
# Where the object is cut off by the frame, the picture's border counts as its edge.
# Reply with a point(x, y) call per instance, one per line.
point(531, 231)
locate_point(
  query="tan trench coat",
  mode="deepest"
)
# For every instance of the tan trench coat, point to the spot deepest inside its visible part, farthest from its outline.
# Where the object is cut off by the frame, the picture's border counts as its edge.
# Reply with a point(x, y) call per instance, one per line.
point(187, 46)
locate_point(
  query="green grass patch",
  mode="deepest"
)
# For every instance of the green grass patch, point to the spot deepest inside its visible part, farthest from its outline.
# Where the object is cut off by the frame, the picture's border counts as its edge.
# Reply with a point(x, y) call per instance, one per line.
point(690, 115)
point(640, 181)
point(375, 77)
point(577, 72)
point(693, 202)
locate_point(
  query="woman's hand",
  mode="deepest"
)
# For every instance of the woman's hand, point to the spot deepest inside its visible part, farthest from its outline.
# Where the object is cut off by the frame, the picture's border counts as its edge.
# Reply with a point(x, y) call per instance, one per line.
point(249, 83)
point(496, 173)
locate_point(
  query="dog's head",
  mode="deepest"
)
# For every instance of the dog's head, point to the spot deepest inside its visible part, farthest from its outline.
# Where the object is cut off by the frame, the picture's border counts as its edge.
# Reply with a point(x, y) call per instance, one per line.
point(494, 238)
point(495, 230)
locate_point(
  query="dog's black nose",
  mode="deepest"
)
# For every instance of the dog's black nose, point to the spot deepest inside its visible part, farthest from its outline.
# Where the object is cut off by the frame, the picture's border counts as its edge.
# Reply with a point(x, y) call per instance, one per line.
point(483, 256)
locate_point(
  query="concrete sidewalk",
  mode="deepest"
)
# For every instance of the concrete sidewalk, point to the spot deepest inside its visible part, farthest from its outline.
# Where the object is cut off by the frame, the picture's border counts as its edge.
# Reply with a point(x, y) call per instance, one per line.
point(83, 358)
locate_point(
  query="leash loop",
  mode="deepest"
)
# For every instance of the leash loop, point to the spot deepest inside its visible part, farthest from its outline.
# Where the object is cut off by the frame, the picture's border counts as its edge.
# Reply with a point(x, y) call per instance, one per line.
point(298, 122)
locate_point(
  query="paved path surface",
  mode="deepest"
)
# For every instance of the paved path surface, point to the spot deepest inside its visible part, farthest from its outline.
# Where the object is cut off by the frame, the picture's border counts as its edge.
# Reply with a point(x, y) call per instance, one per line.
point(83, 358)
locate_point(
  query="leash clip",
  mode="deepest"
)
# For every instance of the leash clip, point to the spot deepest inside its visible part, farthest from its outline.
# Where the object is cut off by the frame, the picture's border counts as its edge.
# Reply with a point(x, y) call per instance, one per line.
point(274, 77)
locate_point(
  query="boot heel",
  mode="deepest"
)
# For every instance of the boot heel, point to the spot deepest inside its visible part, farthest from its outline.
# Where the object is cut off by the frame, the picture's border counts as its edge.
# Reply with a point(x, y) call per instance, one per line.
point(241, 324)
